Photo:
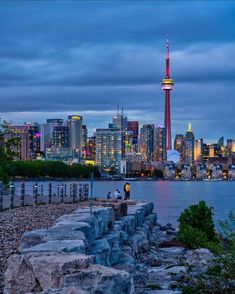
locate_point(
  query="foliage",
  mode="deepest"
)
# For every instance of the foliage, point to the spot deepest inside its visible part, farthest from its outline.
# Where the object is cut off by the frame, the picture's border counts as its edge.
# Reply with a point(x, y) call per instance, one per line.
point(49, 169)
point(196, 226)
point(158, 173)
point(220, 278)
point(9, 145)
point(227, 229)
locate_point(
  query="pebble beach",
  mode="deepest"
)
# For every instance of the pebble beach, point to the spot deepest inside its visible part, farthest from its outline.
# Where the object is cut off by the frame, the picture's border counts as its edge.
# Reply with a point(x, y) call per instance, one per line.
point(14, 223)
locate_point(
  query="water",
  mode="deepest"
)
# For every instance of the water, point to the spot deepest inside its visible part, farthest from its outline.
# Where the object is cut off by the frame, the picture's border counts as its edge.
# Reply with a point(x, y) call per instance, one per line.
point(171, 198)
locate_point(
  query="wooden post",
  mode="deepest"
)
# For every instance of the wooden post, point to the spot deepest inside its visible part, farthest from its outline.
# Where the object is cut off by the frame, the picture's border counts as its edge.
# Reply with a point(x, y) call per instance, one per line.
point(80, 192)
point(22, 194)
point(62, 193)
point(91, 195)
point(49, 192)
point(1, 199)
point(12, 191)
point(35, 193)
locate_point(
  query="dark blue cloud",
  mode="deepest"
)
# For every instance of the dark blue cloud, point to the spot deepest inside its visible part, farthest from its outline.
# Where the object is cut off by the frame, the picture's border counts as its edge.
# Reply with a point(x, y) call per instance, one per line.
point(88, 56)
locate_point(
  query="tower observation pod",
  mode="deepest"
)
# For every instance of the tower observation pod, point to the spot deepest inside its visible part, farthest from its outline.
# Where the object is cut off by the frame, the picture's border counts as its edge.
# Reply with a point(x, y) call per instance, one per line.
point(167, 86)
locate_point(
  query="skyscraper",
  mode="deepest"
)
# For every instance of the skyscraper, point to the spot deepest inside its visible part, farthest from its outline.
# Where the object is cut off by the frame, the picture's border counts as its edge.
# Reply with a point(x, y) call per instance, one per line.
point(147, 142)
point(189, 140)
point(198, 150)
point(120, 122)
point(160, 144)
point(167, 86)
point(75, 131)
point(134, 127)
point(179, 145)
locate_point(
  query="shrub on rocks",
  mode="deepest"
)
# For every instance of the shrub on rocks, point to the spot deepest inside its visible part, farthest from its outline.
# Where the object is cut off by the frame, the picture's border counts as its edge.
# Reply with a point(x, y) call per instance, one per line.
point(196, 227)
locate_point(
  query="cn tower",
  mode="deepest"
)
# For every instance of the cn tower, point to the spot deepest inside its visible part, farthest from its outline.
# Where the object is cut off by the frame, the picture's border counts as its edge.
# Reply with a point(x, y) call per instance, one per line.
point(167, 86)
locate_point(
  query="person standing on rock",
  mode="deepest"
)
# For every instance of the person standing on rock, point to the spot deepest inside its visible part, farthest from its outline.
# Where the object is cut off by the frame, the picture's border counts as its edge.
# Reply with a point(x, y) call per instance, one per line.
point(127, 189)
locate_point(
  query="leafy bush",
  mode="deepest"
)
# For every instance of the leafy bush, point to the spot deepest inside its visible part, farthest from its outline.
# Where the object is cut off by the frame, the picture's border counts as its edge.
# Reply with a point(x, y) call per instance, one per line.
point(192, 237)
point(227, 229)
point(196, 227)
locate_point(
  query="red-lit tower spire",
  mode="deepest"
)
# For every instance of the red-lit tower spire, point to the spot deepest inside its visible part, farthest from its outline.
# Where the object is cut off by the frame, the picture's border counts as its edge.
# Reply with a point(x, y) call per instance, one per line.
point(167, 86)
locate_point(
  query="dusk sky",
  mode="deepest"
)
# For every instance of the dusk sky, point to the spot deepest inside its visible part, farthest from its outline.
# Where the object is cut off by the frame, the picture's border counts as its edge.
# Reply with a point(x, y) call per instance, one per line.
point(85, 57)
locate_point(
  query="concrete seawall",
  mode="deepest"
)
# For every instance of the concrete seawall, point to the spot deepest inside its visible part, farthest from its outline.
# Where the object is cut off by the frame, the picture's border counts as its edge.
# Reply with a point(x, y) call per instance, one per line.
point(83, 252)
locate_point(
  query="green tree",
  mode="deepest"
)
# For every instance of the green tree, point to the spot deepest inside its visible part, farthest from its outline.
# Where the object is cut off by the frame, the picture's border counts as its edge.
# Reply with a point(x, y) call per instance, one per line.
point(9, 148)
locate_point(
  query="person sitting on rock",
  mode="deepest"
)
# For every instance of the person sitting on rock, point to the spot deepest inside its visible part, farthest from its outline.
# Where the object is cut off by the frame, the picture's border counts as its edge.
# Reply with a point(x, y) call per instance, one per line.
point(109, 195)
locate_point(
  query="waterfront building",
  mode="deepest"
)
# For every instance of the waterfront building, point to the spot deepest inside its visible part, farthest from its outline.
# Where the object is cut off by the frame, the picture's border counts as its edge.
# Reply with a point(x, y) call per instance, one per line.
point(147, 142)
point(231, 172)
point(75, 133)
point(179, 145)
point(217, 171)
point(60, 137)
point(167, 86)
point(46, 132)
point(160, 144)
point(201, 172)
point(198, 150)
point(109, 148)
point(189, 140)
point(169, 171)
point(186, 173)
point(62, 154)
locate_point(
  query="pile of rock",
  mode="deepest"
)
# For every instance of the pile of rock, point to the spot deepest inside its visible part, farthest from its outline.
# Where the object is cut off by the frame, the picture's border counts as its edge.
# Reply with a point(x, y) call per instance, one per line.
point(83, 252)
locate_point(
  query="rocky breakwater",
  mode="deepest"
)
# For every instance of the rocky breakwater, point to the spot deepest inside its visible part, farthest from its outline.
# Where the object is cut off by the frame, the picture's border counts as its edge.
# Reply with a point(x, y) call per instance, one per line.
point(83, 252)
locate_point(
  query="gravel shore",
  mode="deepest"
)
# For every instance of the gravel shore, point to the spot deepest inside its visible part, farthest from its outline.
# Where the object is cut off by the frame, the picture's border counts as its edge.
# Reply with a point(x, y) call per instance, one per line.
point(14, 223)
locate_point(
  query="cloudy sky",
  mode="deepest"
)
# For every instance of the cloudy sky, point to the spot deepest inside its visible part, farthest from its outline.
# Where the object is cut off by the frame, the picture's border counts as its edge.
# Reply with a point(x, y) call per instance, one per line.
point(85, 57)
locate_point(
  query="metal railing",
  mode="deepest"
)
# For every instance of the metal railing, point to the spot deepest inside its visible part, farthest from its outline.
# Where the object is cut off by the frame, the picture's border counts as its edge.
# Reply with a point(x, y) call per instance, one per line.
point(42, 193)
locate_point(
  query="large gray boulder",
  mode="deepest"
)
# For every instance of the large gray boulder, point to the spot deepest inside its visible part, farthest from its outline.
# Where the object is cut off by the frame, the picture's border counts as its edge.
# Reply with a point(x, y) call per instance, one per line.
point(101, 251)
point(113, 240)
point(38, 271)
point(102, 280)
point(75, 246)
point(30, 239)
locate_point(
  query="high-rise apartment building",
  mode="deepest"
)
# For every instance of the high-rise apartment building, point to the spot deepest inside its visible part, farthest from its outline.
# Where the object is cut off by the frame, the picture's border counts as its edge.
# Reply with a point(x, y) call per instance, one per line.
point(46, 132)
point(60, 137)
point(160, 144)
point(189, 141)
point(147, 142)
point(109, 148)
point(22, 132)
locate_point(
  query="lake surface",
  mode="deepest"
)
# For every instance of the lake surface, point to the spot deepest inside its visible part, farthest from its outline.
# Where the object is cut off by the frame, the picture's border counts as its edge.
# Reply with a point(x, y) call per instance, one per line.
point(170, 198)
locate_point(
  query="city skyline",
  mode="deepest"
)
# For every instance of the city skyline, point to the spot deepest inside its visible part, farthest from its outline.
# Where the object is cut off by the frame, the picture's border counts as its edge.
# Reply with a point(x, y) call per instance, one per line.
point(57, 64)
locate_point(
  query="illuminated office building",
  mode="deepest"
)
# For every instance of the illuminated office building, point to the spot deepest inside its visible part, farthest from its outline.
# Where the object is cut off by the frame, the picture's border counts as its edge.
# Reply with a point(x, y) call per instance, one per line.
point(189, 141)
